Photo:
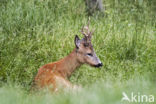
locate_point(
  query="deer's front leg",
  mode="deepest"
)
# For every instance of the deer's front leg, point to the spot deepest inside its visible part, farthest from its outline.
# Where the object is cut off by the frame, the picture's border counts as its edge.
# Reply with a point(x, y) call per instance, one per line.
point(65, 84)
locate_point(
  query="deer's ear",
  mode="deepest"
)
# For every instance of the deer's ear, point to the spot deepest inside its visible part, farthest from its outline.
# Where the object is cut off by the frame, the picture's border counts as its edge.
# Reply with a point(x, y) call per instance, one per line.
point(77, 41)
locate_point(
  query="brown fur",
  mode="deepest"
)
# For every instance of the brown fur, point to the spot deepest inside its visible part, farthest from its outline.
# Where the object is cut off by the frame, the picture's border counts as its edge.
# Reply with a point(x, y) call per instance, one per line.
point(59, 71)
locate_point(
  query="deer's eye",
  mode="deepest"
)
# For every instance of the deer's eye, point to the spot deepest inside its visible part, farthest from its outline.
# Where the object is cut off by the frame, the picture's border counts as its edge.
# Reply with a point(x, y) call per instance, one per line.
point(89, 54)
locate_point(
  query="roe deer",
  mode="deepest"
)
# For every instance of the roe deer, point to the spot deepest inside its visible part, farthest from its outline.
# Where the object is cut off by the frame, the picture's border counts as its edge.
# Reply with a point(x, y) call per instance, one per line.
point(55, 74)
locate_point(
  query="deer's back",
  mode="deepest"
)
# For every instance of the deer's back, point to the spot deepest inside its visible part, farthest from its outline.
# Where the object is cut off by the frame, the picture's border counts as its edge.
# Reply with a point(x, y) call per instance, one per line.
point(46, 75)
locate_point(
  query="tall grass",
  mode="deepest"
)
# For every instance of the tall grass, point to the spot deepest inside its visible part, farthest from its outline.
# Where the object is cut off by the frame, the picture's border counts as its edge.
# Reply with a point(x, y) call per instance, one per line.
point(36, 32)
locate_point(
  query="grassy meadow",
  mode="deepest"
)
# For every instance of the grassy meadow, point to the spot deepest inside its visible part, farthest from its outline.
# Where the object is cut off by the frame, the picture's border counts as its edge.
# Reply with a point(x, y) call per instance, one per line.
point(36, 32)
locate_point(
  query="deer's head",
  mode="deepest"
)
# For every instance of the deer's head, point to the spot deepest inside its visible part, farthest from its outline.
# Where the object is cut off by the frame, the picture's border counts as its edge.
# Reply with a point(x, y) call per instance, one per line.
point(84, 49)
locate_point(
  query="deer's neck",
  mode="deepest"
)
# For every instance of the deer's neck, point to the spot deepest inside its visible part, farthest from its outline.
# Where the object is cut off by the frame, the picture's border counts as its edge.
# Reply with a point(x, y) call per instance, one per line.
point(69, 64)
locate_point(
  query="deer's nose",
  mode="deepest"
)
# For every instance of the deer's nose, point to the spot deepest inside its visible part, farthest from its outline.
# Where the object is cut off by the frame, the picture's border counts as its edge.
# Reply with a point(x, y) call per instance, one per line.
point(99, 65)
